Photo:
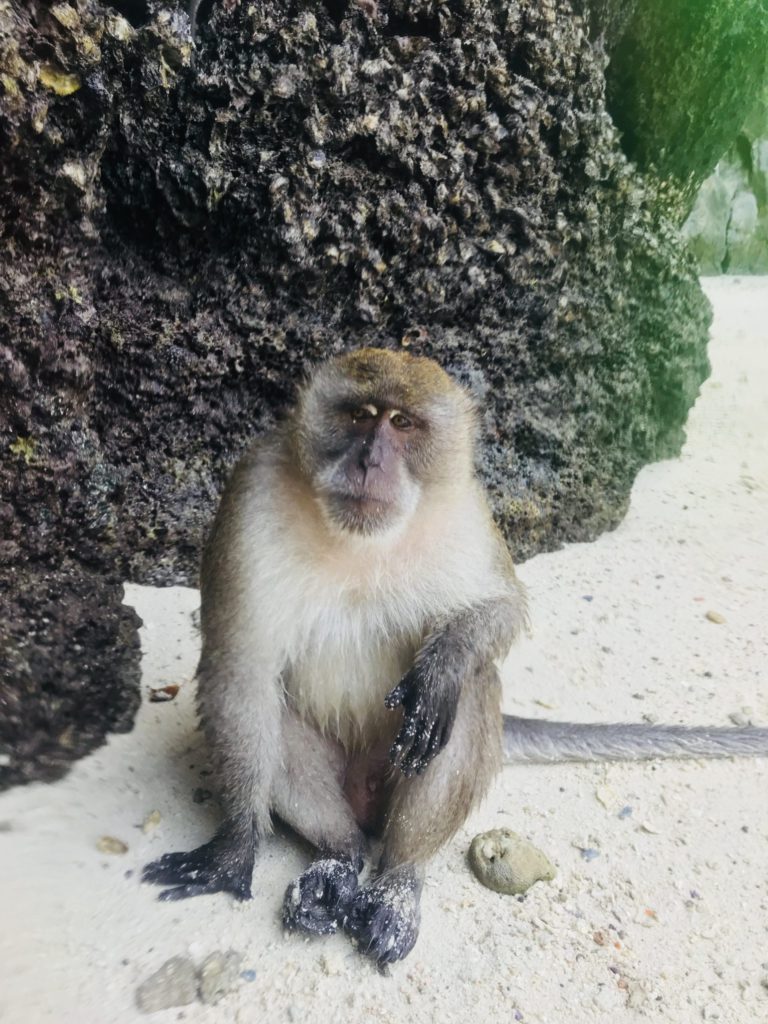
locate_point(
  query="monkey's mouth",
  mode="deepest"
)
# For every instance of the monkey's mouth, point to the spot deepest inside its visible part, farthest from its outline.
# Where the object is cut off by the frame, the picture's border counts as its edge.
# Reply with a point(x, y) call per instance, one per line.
point(359, 511)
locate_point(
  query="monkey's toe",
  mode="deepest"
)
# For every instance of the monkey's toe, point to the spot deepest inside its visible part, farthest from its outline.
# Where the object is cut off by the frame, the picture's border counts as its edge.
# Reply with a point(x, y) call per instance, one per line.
point(319, 898)
point(384, 918)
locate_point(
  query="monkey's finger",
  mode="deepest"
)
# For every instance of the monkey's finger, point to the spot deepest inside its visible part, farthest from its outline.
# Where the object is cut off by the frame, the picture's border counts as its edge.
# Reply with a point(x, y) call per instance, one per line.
point(216, 884)
point(410, 763)
point(397, 696)
point(404, 741)
point(171, 869)
point(183, 892)
point(436, 744)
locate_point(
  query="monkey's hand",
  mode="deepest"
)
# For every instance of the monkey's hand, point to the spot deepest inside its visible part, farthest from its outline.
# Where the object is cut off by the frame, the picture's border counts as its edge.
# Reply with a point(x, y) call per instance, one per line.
point(429, 697)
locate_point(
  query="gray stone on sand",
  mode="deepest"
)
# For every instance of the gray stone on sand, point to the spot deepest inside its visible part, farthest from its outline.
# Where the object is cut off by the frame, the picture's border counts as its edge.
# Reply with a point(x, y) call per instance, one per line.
point(173, 984)
point(219, 975)
point(505, 862)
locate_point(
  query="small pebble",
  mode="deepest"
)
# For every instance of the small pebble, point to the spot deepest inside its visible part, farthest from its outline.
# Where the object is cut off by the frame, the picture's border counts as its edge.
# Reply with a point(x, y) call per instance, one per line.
point(108, 844)
point(163, 693)
point(606, 796)
point(173, 984)
point(219, 974)
point(151, 822)
point(625, 812)
point(249, 975)
point(715, 617)
point(507, 863)
point(589, 853)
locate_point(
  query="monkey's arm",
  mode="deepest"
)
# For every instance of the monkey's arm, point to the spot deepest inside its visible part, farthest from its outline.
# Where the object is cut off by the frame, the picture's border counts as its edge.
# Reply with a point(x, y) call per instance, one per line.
point(457, 650)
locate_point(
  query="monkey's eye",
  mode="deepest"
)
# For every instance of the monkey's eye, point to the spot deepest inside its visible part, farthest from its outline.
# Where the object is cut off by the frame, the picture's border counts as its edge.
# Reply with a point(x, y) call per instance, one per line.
point(400, 421)
point(365, 412)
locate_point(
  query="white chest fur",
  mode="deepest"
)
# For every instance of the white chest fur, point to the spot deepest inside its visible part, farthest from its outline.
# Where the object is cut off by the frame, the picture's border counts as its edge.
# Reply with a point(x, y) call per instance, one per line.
point(350, 618)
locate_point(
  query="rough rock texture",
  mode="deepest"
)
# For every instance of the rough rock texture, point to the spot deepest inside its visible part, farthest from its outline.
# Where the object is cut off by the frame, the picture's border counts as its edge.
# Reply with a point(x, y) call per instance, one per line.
point(728, 226)
point(184, 230)
point(69, 667)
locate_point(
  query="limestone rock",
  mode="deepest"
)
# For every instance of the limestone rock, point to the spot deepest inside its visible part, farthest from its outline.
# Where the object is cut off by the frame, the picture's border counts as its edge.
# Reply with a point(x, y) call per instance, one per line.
point(505, 862)
point(173, 984)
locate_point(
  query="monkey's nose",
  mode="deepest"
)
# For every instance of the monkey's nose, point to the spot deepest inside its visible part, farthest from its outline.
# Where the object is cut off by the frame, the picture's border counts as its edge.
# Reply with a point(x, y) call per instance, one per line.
point(369, 458)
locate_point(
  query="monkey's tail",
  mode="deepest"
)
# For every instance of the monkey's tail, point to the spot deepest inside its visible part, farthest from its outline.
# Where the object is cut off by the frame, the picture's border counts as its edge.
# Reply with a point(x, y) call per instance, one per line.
point(534, 741)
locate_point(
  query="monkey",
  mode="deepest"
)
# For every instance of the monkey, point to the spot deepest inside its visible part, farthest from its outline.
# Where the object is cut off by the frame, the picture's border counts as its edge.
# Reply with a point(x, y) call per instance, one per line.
point(356, 599)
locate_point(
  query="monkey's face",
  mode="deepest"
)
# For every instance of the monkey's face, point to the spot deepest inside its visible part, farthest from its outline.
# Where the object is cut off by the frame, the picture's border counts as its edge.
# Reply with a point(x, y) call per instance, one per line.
point(369, 482)
point(376, 430)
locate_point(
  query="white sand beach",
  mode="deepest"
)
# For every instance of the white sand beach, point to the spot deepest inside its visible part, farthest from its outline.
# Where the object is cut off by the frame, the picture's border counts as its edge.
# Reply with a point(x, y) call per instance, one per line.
point(666, 918)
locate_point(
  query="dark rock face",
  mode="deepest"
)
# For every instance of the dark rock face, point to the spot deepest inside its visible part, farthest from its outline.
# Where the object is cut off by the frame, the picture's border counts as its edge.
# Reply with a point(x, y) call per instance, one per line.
point(182, 238)
point(69, 668)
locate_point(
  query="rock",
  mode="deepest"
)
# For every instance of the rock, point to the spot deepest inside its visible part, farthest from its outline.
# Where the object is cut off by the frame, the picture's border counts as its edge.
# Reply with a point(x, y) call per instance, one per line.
point(69, 667)
point(173, 984)
point(109, 844)
point(730, 233)
point(683, 79)
point(219, 975)
point(151, 821)
point(507, 863)
point(707, 226)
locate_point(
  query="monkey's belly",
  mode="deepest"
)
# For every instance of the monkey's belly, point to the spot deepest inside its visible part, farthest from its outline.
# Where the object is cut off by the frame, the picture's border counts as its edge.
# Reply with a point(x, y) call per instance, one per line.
point(367, 781)
point(342, 690)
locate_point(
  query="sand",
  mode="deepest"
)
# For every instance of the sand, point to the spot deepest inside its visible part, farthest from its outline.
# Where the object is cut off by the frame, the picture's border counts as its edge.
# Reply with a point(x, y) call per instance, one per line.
point(666, 916)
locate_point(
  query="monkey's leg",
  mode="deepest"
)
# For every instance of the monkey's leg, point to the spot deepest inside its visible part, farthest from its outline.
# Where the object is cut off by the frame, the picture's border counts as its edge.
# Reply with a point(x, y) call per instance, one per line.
point(244, 736)
point(424, 813)
point(308, 796)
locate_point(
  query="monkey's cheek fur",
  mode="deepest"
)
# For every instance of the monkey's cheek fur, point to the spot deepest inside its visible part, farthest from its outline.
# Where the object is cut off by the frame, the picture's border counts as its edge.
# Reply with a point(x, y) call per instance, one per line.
point(318, 900)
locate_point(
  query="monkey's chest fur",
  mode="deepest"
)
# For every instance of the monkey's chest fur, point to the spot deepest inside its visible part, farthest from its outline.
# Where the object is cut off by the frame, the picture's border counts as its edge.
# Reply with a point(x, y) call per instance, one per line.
point(349, 614)
point(348, 654)
point(353, 630)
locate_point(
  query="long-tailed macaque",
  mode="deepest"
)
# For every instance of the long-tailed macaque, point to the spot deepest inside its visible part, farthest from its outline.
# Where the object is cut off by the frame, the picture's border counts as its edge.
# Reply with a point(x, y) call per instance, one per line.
point(356, 597)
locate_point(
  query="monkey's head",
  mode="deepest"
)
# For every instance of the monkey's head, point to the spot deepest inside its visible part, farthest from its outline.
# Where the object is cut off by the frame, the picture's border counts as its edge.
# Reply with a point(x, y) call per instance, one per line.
point(376, 431)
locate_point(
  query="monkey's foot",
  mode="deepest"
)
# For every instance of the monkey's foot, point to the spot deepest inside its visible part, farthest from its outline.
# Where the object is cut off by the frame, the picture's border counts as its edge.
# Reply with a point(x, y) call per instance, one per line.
point(319, 898)
point(384, 917)
point(225, 864)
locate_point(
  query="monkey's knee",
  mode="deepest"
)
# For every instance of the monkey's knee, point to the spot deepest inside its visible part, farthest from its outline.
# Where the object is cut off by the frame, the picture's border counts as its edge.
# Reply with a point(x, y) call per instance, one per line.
point(427, 810)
